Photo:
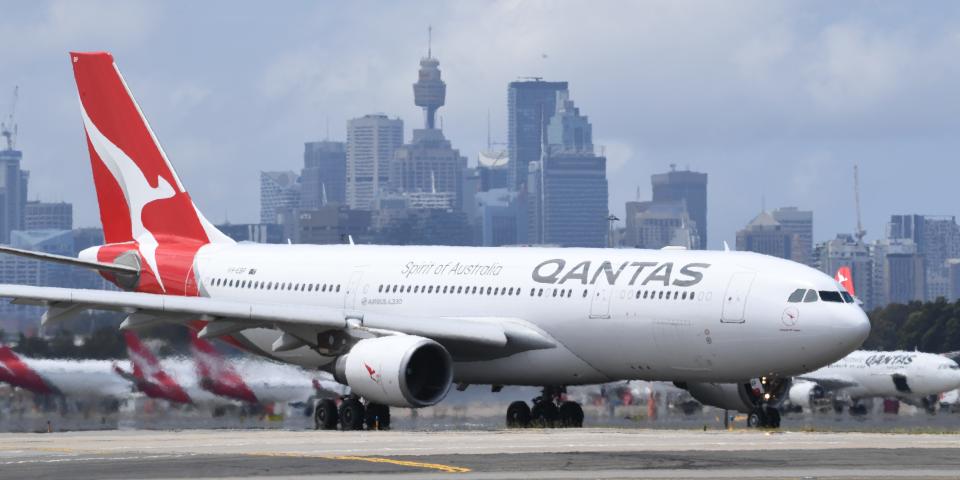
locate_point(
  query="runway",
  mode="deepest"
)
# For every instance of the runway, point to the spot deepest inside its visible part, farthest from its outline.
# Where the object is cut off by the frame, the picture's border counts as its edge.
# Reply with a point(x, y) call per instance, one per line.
point(593, 453)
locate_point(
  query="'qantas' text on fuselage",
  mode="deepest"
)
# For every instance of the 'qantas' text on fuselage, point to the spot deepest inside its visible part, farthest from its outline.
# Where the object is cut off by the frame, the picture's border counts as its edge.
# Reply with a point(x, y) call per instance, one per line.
point(555, 271)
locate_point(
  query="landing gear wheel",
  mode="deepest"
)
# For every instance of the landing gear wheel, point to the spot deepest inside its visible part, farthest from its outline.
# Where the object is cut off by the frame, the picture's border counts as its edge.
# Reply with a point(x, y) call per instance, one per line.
point(571, 415)
point(325, 415)
point(773, 418)
point(756, 418)
point(351, 414)
point(858, 409)
point(518, 415)
point(544, 414)
point(378, 417)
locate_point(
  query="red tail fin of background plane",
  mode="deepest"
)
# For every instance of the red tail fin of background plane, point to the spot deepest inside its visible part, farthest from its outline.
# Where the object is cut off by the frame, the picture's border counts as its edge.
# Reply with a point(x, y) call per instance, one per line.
point(216, 374)
point(845, 278)
point(147, 372)
point(16, 372)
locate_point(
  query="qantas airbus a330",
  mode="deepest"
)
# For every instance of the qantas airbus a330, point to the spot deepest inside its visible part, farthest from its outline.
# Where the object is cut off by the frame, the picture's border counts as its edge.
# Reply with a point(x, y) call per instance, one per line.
point(400, 325)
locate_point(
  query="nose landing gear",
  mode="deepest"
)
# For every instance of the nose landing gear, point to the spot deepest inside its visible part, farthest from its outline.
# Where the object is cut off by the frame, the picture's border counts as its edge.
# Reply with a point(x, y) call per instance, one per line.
point(549, 410)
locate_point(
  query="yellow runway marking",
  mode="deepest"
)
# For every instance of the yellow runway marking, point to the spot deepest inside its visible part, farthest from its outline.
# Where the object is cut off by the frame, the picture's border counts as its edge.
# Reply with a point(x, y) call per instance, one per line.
point(403, 463)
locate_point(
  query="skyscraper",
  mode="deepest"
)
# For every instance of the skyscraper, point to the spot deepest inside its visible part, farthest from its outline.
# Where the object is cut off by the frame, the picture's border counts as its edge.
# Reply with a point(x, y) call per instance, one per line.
point(279, 193)
point(659, 224)
point(800, 222)
point(567, 190)
point(690, 187)
point(937, 239)
point(530, 104)
point(324, 176)
point(429, 164)
point(13, 193)
point(765, 235)
point(48, 216)
point(372, 141)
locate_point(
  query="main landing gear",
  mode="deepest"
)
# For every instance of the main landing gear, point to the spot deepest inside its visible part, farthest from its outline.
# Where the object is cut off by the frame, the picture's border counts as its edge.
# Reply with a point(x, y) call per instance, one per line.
point(351, 415)
point(549, 410)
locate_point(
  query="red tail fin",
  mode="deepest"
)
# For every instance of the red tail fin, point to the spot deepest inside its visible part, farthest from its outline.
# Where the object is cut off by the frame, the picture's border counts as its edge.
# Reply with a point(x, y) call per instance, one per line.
point(139, 193)
point(845, 278)
point(216, 374)
point(15, 371)
point(149, 375)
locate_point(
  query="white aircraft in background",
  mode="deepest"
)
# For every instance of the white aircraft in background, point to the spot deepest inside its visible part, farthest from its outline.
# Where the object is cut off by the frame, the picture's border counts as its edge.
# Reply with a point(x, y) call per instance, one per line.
point(69, 378)
point(915, 378)
point(400, 325)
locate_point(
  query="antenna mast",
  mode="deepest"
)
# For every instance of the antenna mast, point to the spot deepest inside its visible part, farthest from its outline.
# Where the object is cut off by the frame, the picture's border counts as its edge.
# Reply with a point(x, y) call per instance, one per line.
point(860, 233)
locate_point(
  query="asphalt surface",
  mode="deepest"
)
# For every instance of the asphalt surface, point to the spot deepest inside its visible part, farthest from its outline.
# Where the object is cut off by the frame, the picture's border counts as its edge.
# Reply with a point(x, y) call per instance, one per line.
point(587, 453)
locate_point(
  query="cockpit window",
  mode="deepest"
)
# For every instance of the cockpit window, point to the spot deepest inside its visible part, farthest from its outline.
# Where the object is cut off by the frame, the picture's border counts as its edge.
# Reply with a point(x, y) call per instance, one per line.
point(797, 296)
point(847, 297)
point(830, 296)
point(810, 297)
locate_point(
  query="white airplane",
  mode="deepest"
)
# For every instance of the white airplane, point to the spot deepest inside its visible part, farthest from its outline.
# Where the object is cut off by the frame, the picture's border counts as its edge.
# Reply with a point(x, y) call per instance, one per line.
point(913, 377)
point(400, 325)
point(69, 378)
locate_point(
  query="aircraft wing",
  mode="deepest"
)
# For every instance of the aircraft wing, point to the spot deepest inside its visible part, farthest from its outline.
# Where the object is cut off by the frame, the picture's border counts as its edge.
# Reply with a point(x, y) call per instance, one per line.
point(831, 383)
point(299, 323)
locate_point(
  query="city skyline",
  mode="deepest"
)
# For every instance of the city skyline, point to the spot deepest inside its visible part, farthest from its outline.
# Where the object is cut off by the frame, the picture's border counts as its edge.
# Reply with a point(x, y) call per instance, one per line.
point(767, 136)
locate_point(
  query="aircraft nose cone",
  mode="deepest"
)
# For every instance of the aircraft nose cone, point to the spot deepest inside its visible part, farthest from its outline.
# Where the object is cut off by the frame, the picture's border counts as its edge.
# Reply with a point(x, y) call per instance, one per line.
point(853, 328)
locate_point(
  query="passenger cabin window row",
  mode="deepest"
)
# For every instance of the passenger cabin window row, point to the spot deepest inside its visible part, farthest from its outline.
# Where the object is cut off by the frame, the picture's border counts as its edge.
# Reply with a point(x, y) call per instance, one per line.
point(267, 285)
point(809, 296)
point(663, 295)
point(449, 290)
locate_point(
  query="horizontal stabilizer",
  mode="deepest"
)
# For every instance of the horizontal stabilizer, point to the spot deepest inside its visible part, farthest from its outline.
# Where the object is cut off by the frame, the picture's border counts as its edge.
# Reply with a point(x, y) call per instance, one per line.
point(49, 257)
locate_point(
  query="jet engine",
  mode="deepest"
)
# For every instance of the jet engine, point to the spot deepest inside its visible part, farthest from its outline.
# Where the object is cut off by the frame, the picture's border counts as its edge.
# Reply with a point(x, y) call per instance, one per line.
point(729, 396)
point(803, 393)
point(397, 370)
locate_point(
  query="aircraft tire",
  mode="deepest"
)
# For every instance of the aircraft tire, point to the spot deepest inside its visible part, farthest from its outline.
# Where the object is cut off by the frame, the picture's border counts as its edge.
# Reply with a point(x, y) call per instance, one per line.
point(325, 415)
point(351, 414)
point(518, 415)
point(756, 418)
point(544, 414)
point(571, 415)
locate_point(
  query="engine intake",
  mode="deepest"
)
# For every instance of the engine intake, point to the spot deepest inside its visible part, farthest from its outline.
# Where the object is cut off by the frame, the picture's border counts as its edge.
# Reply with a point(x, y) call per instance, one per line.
point(398, 370)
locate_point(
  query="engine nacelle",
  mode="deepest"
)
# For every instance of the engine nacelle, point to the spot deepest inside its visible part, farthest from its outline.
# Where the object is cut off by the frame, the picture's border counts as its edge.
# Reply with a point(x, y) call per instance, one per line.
point(729, 396)
point(397, 370)
point(803, 393)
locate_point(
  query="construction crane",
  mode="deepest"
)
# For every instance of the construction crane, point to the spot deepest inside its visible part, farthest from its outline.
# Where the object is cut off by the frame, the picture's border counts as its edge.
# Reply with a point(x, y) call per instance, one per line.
point(860, 233)
point(9, 129)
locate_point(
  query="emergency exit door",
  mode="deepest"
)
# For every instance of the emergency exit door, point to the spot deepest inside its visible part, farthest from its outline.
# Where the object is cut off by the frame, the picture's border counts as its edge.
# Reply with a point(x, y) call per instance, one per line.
point(735, 300)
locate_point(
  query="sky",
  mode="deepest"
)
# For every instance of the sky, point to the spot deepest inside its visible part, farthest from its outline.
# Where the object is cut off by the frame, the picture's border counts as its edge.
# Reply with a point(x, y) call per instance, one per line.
point(776, 101)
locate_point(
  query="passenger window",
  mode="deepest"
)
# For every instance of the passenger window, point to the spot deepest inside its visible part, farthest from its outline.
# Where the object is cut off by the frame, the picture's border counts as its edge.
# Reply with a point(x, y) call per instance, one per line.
point(847, 297)
point(660, 295)
point(533, 291)
point(796, 296)
point(584, 293)
point(540, 293)
point(338, 288)
point(810, 297)
point(684, 296)
point(638, 294)
point(691, 295)
point(830, 296)
point(554, 292)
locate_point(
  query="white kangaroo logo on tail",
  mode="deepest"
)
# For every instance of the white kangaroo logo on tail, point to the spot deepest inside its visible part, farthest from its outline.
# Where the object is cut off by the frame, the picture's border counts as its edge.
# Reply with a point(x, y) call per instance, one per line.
point(136, 189)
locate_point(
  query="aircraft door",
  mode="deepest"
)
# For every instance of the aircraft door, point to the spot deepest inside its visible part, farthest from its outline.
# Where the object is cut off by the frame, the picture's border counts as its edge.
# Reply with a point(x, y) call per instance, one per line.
point(600, 303)
point(350, 293)
point(735, 300)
